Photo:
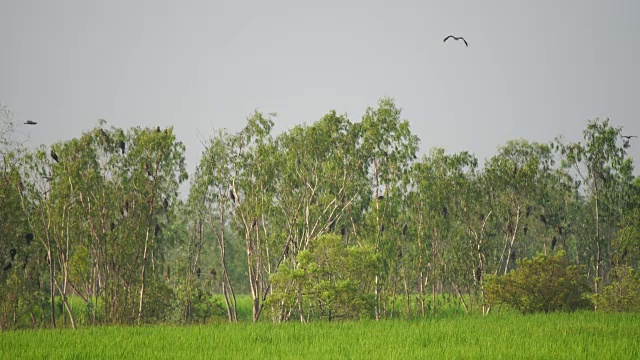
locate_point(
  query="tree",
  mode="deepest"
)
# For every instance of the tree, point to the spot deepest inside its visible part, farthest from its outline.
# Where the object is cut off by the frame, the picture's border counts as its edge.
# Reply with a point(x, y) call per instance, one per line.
point(544, 283)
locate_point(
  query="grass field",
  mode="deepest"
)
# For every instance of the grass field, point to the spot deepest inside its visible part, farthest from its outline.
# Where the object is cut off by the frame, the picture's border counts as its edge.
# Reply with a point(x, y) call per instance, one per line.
point(584, 335)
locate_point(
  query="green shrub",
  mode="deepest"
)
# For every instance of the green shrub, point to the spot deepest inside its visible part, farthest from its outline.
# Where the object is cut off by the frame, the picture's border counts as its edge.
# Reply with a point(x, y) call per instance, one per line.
point(624, 292)
point(542, 284)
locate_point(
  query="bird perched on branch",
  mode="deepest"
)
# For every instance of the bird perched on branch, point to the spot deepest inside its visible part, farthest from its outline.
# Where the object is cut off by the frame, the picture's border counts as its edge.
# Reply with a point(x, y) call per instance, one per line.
point(456, 38)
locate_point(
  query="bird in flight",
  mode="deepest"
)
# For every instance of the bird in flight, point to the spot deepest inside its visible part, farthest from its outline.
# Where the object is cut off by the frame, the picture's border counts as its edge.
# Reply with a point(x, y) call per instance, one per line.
point(628, 137)
point(456, 38)
point(29, 122)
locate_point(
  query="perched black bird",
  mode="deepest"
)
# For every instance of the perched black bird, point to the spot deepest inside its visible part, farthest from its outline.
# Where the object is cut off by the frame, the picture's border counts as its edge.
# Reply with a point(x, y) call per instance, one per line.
point(254, 224)
point(456, 38)
point(126, 205)
point(54, 156)
point(156, 231)
point(165, 203)
point(553, 243)
point(343, 230)
point(404, 229)
point(513, 256)
point(559, 229)
point(232, 196)
point(104, 135)
point(198, 272)
point(444, 211)
point(525, 229)
point(29, 122)
point(121, 146)
point(7, 267)
point(478, 274)
point(112, 226)
point(29, 238)
point(510, 229)
point(381, 197)
point(158, 129)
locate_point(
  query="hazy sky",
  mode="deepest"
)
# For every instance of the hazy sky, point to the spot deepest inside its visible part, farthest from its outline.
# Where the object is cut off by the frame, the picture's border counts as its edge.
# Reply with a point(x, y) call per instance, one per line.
point(533, 69)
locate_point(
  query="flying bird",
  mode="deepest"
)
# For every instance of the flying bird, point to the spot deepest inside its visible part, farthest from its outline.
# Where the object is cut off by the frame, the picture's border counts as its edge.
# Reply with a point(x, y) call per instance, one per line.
point(456, 38)
point(29, 122)
point(628, 137)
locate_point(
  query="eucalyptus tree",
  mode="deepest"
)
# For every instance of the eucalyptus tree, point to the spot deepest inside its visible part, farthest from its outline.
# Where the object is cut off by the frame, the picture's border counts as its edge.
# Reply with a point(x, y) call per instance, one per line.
point(320, 185)
point(599, 164)
point(386, 148)
point(516, 178)
point(154, 167)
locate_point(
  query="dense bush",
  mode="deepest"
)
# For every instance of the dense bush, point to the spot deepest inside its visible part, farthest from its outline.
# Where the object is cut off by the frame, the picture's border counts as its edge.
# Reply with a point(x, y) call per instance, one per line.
point(624, 292)
point(330, 282)
point(541, 284)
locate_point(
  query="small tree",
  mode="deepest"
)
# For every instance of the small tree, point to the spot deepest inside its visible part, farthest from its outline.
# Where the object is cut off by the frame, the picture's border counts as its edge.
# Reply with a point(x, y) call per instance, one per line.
point(331, 282)
point(542, 284)
point(623, 293)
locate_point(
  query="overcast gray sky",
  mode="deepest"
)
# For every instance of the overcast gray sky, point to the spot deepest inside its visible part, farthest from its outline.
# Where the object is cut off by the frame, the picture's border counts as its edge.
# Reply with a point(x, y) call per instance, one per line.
point(533, 69)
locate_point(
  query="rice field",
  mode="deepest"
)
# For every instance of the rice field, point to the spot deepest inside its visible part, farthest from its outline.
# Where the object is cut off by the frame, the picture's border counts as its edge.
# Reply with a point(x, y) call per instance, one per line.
point(584, 335)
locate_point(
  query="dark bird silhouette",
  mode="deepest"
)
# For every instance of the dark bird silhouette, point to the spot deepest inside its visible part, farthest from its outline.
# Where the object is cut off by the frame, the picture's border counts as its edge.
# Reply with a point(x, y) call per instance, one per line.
point(510, 229)
point(553, 243)
point(29, 238)
point(628, 137)
point(158, 129)
point(525, 229)
point(478, 274)
point(381, 228)
point(29, 122)
point(7, 267)
point(481, 217)
point(513, 256)
point(624, 254)
point(112, 226)
point(156, 231)
point(381, 197)
point(559, 229)
point(232, 196)
point(213, 273)
point(54, 156)
point(404, 229)
point(126, 205)
point(165, 203)
point(343, 230)
point(254, 224)
point(121, 146)
point(456, 38)
point(198, 272)
point(444, 211)
point(104, 135)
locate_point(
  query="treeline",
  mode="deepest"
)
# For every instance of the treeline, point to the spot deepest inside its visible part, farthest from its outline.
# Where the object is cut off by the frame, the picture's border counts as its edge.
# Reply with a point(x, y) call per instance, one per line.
point(332, 220)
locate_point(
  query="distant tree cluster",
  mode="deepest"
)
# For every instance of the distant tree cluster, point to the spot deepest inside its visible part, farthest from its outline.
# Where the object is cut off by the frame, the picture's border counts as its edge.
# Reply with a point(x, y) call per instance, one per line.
point(332, 220)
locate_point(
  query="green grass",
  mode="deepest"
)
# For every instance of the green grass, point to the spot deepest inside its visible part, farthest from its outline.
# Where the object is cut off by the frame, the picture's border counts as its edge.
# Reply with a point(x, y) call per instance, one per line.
point(584, 335)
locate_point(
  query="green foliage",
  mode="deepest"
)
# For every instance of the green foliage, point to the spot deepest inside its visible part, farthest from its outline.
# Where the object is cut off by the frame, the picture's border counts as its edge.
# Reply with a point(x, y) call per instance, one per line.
point(623, 294)
point(541, 284)
point(329, 283)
